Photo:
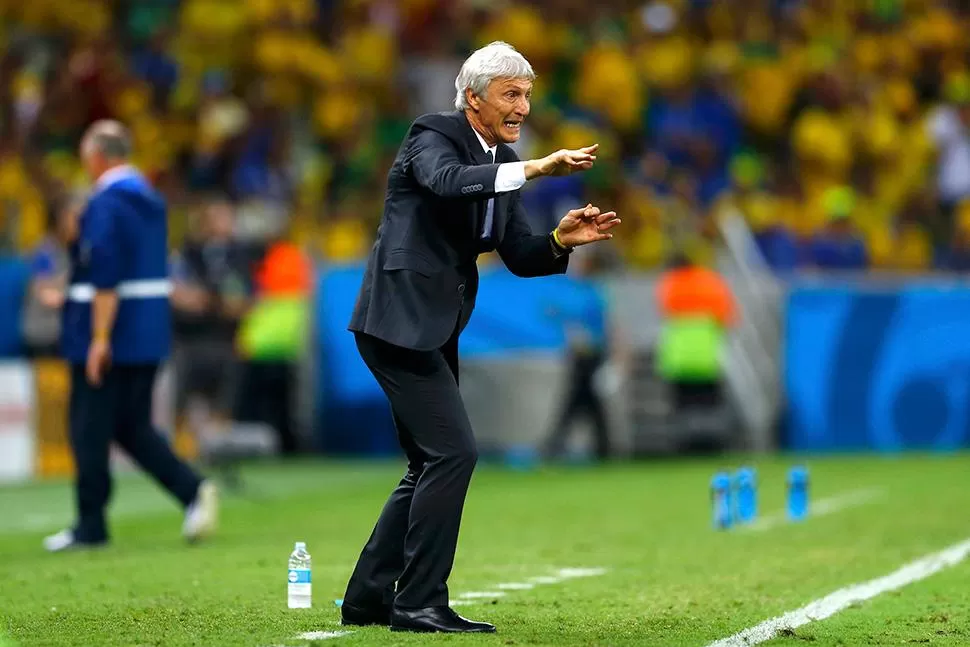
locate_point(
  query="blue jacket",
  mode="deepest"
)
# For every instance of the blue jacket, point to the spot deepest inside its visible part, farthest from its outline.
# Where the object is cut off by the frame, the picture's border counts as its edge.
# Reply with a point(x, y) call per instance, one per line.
point(122, 246)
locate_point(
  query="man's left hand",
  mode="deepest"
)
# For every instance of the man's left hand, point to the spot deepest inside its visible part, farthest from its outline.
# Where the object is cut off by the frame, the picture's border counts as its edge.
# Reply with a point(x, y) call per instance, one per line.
point(99, 356)
point(586, 225)
point(234, 307)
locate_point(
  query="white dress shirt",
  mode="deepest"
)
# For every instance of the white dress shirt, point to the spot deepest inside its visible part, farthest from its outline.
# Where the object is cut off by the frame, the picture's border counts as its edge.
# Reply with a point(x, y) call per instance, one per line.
point(115, 174)
point(510, 176)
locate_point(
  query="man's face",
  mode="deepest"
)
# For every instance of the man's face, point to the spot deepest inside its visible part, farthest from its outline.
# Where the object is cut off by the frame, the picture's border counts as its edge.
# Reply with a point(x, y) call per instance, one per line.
point(504, 107)
point(219, 221)
point(91, 160)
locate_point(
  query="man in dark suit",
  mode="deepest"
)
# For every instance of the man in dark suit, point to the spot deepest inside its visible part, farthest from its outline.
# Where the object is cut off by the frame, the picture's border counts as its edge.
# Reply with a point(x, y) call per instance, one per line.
point(452, 194)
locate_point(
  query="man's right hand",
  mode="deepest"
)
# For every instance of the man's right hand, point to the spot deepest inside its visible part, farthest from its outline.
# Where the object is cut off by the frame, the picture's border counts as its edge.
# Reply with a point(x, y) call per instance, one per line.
point(51, 297)
point(99, 357)
point(191, 299)
point(562, 162)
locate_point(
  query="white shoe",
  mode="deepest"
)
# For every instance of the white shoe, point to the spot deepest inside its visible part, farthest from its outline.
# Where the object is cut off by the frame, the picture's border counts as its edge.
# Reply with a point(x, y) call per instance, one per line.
point(201, 515)
point(65, 540)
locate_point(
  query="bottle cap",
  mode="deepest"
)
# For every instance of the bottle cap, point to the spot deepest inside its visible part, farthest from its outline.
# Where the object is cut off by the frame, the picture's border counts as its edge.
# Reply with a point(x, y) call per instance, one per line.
point(301, 545)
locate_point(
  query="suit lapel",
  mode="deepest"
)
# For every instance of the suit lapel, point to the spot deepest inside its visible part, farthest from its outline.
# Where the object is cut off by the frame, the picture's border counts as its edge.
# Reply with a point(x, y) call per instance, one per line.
point(500, 208)
point(500, 214)
point(475, 150)
point(476, 155)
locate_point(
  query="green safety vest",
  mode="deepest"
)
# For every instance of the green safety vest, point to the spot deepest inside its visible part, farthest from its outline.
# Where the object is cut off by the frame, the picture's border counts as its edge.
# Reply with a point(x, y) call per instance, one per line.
point(689, 349)
point(275, 329)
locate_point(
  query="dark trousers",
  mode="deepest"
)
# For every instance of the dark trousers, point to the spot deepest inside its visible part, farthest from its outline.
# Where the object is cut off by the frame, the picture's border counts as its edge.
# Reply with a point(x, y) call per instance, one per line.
point(696, 395)
point(414, 541)
point(265, 394)
point(118, 410)
point(581, 399)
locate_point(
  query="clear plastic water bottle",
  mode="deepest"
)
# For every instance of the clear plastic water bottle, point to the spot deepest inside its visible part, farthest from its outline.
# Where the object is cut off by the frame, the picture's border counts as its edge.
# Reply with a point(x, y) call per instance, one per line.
point(298, 579)
point(721, 500)
point(745, 495)
point(797, 493)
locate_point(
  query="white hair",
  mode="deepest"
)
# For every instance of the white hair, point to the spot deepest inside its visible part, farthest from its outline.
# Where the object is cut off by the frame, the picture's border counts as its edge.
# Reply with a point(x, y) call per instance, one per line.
point(496, 60)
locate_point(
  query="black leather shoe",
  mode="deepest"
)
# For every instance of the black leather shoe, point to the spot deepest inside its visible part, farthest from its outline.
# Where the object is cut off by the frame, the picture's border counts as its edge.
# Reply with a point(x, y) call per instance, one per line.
point(431, 619)
point(363, 616)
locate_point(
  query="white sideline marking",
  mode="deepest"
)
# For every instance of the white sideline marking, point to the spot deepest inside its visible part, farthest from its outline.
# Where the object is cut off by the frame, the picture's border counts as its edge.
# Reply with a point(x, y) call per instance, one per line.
point(545, 579)
point(561, 575)
point(481, 594)
point(844, 597)
point(322, 635)
point(822, 507)
point(569, 573)
point(474, 597)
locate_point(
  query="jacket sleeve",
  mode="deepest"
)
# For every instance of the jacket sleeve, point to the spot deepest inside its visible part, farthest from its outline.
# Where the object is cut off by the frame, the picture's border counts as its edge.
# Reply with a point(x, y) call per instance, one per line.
point(100, 233)
point(435, 165)
point(527, 254)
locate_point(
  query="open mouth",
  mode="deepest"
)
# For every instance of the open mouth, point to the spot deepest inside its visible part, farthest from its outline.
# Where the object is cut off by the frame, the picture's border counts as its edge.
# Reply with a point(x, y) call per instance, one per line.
point(513, 125)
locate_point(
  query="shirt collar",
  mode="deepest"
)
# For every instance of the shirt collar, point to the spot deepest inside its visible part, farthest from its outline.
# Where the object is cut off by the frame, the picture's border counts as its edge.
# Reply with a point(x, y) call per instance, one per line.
point(485, 146)
point(116, 174)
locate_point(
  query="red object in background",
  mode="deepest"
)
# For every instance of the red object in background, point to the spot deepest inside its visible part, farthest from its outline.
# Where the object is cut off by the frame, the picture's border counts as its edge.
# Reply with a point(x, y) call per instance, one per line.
point(285, 270)
point(89, 70)
point(696, 291)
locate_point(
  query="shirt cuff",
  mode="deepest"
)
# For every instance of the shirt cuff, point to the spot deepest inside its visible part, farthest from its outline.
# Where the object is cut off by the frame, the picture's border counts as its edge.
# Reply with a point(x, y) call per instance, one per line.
point(510, 176)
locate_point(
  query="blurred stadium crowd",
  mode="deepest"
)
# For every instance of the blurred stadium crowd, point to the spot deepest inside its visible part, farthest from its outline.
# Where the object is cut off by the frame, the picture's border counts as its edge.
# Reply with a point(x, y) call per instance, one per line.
point(838, 129)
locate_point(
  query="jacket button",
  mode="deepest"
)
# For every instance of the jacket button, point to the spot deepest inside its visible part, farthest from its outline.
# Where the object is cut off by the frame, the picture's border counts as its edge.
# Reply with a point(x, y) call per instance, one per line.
point(461, 288)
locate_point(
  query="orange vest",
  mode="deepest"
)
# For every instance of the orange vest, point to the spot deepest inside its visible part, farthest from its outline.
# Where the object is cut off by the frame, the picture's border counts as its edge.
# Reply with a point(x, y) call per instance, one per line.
point(285, 271)
point(275, 329)
point(695, 291)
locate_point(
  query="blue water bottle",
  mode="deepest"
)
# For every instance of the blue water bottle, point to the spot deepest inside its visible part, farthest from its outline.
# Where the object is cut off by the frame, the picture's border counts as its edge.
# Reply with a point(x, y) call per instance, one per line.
point(721, 500)
point(745, 495)
point(797, 493)
point(522, 457)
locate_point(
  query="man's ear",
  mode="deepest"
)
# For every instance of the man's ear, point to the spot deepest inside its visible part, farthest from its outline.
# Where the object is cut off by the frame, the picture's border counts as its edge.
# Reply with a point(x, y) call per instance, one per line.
point(473, 99)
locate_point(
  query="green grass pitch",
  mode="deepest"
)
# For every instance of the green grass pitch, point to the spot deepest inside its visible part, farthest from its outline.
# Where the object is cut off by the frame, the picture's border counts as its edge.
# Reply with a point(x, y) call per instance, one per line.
point(670, 579)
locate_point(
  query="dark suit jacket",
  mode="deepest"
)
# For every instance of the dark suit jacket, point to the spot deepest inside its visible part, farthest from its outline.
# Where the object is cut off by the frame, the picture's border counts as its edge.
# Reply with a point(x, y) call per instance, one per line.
point(421, 277)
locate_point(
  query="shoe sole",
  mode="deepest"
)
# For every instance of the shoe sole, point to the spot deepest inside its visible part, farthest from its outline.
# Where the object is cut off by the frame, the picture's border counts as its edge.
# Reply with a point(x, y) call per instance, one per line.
point(432, 631)
point(78, 547)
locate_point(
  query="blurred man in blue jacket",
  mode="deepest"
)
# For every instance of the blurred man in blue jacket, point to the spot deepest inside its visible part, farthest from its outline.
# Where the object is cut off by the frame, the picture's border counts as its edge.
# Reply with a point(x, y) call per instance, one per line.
point(116, 332)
